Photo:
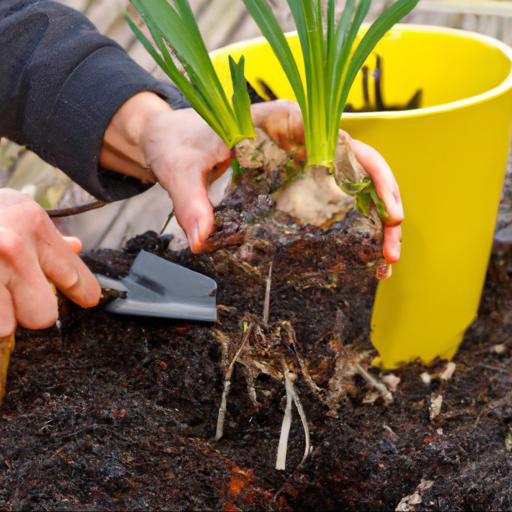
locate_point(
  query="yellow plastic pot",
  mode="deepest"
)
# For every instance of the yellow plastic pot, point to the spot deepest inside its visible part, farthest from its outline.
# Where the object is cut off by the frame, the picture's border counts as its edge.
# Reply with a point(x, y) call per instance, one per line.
point(449, 158)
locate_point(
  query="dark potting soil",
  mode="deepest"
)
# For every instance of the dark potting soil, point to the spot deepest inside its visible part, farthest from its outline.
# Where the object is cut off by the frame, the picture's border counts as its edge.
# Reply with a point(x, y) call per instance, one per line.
point(119, 414)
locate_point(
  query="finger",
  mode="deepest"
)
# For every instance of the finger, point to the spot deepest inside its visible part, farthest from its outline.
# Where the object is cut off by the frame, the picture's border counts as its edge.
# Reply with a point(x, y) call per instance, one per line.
point(35, 303)
point(7, 317)
point(383, 178)
point(282, 121)
point(193, 209)
point(74, 243)
point(392, 243)
point(62, 266)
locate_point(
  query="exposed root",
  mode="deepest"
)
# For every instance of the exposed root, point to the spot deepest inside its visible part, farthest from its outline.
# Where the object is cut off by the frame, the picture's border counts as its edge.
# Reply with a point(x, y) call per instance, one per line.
point(282, 449)
point(6, 349)
point(227, 383)
point(307, 438)
point(292, 398)
point(266, 305)
point(372, 381)
point(341, 384)
point(251, 386)
point(290, 331)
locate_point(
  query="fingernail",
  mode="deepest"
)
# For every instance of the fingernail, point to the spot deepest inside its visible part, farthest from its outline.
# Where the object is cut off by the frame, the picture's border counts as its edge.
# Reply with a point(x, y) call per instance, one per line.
point(194, 239)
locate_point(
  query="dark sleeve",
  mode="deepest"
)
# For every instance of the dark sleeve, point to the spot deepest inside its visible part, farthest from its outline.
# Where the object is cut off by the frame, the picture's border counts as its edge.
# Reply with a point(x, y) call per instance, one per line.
point(61, 82)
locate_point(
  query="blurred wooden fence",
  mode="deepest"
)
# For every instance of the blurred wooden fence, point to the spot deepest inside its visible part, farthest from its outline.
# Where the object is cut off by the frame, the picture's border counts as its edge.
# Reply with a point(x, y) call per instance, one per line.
point(222, 22)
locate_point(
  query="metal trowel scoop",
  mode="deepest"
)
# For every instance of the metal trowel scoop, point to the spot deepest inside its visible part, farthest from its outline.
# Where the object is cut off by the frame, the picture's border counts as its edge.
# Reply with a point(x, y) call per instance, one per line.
point(159, 288)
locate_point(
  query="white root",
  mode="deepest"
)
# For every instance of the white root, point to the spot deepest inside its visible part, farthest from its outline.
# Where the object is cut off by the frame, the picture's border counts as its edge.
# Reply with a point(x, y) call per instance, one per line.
point(227, 385)
point(305, 426)
point(292, 398)
point(372, 381)
point(266, 305)
point(282, 449)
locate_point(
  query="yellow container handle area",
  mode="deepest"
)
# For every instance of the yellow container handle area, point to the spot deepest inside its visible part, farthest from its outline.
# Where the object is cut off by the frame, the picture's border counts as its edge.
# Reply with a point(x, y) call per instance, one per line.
point(449, 158)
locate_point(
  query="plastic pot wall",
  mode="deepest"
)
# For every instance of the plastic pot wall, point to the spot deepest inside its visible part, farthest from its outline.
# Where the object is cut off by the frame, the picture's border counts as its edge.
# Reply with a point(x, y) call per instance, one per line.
point(449, 158)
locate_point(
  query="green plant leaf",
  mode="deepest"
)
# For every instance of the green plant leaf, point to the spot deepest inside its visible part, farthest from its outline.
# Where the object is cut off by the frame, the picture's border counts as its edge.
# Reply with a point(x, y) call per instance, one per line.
point(379, 205)
point(363, 203)
point(381, 25)
point(241, 98)
point(269, 26)
point(351, 188)
point(172, 25)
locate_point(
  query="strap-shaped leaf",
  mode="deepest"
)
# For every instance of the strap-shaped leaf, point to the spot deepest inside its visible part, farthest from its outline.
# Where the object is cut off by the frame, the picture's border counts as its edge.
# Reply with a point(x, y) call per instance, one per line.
point(269, 26)
point(172, 25)
point(384, 22)
point(241, 98)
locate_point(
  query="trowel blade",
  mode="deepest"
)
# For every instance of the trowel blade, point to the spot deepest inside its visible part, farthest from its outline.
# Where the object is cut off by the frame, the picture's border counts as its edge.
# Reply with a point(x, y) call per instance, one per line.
point(159, 288)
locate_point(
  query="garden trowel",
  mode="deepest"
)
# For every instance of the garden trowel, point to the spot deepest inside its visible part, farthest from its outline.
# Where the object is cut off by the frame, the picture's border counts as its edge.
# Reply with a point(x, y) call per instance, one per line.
point(159, 288)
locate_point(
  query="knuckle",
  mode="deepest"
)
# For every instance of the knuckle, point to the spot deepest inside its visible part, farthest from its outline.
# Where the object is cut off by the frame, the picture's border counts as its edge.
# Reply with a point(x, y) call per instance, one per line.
point(35, 213)
point(69, 278)
point(11, 245)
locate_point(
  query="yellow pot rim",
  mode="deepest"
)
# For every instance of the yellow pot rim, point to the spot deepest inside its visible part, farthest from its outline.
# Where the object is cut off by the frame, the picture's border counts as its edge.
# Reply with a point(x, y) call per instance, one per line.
point(495, 92)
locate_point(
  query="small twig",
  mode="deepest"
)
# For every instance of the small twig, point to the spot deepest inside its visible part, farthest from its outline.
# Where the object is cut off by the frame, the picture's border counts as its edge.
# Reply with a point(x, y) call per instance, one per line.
point(227, 384)
point(166, 222)
point(381, 388)
point(495, 368)
point(266, 305)
point(76, 210)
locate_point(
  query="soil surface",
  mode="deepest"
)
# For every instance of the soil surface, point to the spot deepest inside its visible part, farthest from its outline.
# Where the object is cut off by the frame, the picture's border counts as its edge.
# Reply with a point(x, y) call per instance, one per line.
point(120, 413)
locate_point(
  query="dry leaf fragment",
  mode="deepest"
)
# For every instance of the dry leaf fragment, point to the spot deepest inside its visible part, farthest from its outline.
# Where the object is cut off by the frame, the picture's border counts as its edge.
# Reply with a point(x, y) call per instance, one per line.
point(436, 404)
point(426, 378)
point(408, 503)
point(448, 372)
point(391, 381)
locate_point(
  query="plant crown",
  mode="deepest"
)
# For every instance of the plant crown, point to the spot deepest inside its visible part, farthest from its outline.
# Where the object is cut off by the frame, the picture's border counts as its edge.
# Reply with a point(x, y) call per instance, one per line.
point(330, 61)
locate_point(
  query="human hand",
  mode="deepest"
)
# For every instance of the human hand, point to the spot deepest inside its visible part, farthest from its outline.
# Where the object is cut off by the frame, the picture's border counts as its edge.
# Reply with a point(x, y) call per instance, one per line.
point(33, 254)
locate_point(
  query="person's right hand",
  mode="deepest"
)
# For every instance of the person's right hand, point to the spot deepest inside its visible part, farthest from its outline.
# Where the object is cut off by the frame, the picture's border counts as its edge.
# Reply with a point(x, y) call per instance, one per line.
point(33, 254)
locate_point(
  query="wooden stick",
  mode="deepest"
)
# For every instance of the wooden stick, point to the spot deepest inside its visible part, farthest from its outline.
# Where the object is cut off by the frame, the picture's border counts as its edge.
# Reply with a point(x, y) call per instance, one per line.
point(6, 349)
